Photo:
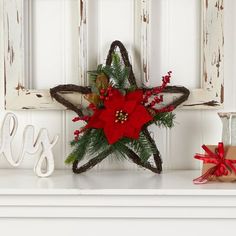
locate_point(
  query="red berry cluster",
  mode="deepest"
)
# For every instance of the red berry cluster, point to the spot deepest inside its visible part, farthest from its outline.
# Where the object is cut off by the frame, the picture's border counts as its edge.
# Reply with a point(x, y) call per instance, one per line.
point(164, 109)
point(105, 94)
point(78, 132)
point(84, 118)
point(166, 78)
point(157, 97)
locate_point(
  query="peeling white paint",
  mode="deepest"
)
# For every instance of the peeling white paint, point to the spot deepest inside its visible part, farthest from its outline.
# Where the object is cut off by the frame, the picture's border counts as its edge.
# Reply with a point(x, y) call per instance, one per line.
point(209, 96)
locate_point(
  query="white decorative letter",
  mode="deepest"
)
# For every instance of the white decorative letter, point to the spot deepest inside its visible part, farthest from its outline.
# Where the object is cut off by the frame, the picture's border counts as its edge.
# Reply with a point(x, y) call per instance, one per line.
point(30, 145)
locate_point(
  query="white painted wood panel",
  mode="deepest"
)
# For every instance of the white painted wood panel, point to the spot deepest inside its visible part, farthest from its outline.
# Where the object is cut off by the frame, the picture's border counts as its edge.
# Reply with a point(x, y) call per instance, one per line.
point(192, 127)
point(63, 34)
point(18, 96)
point(172, 39)
point(138, 227)
point(2, 100)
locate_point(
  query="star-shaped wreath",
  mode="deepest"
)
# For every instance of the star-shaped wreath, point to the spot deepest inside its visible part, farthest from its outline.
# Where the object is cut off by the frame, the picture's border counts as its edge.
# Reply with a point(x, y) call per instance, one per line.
point(118, 114)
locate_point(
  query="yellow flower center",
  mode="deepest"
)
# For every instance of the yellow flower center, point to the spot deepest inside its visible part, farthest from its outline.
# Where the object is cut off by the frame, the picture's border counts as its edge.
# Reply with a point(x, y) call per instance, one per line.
point(121, 116)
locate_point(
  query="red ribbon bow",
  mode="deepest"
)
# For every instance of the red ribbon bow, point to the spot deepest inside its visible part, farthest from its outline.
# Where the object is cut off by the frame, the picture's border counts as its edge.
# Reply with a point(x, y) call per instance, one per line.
point(222, 166)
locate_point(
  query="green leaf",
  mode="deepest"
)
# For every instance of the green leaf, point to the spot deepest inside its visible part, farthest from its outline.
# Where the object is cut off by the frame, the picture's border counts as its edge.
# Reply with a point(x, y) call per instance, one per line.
point(71, 158)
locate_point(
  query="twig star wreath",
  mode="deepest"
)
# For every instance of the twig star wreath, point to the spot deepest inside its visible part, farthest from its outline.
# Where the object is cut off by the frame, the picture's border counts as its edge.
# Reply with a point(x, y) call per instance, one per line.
point(119, 114)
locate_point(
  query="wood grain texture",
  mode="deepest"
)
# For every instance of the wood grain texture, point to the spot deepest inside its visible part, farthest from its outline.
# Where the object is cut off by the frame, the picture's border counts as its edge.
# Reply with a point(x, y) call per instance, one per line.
point(83, 47)
point(211, 93)
point(145, 40)
point(17, 95)
point(1, 57)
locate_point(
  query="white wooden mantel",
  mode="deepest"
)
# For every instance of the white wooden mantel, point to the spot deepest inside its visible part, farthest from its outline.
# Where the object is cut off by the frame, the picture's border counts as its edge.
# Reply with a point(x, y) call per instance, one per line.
point(114, 203)
point(114, 194)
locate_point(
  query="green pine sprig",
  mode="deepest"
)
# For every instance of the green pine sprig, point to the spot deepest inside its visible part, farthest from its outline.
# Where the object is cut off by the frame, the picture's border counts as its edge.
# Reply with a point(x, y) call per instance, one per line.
point(94, 142)
point(165, 119)
point(142, 147)
point(117, 72)
point(91, 142)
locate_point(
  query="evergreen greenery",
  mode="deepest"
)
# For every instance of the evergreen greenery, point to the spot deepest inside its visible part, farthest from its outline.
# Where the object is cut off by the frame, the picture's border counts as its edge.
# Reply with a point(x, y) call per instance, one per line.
point(90, 143)
point(165, 119)
point(117, 74)
point(93, 141)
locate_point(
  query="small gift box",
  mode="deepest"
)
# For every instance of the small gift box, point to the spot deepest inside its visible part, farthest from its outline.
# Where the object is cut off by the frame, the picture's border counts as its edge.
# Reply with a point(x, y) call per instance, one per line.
point(219, 164)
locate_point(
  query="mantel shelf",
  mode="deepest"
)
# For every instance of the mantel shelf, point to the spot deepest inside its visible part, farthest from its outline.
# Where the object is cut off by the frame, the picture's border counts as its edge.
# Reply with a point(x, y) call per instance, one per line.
point(117, 182)
point(114, 194)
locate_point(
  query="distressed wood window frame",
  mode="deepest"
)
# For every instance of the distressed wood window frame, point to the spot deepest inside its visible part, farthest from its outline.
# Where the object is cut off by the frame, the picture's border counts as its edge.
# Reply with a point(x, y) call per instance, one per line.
point(12, 62)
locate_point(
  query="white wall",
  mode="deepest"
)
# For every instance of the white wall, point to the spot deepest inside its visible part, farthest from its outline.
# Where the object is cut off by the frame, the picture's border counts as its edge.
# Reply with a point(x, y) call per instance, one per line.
point(175, 46)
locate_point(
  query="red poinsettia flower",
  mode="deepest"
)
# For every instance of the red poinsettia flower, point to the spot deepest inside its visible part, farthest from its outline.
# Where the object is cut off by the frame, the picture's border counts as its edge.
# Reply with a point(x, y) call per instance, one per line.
point(122, 116)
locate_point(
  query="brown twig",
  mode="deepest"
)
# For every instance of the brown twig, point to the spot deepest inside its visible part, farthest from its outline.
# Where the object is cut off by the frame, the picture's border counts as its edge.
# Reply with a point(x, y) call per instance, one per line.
point(91, 163)
point(69, 88)
point(125, 57)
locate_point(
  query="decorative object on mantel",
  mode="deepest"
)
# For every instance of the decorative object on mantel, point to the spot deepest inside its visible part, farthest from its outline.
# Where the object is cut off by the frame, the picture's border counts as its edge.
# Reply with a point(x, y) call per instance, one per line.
point(119, 114)
point(219, 163)
point(44, 166)
point(229, 127)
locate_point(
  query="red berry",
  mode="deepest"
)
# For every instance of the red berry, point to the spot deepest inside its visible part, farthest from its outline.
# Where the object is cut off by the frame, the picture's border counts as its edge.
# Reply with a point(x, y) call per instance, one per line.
point(156, 90)
point(152, 104)
point(166, 79)
point(102, 97)
point(76, 132)
point(76, 138)
point(171, 108)
point(76, 119)
point(102, 91)
point(106, 98)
